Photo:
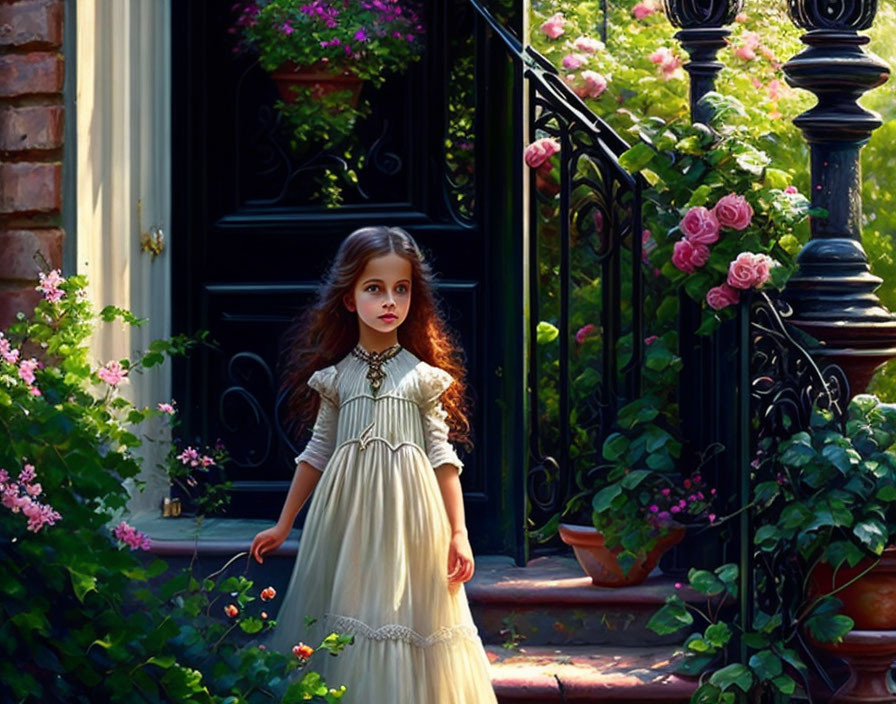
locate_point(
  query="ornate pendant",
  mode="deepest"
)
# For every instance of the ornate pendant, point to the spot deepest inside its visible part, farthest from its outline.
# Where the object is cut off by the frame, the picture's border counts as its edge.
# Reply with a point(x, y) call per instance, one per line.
point(375, 361)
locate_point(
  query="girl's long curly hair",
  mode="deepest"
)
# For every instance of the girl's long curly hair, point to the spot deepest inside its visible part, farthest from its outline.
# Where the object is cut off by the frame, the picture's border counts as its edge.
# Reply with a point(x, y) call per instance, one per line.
point(326, 331)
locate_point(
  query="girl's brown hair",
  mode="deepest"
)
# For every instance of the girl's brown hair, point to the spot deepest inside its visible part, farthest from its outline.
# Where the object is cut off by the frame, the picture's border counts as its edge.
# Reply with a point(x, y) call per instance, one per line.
point(327, 331)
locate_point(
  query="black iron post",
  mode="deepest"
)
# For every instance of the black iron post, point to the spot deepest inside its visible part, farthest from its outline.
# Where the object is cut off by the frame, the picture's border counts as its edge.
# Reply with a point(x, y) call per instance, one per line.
point(702, 33)
point(832, 293)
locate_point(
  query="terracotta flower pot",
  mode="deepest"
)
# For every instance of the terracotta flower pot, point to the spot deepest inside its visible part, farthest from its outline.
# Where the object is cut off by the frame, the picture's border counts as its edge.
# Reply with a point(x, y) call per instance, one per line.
point(599, 562)
point(871, 601)
point(319, 78)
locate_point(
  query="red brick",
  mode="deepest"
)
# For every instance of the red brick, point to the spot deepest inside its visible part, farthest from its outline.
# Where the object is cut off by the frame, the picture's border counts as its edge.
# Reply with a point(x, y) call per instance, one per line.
point(38, 127)
point(30, 188)
point(23, 253)
point(17, 299)
point(37, 73)
point(25, 23)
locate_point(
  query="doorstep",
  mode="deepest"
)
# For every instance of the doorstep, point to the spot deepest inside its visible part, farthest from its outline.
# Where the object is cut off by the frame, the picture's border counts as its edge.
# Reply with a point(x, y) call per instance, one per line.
point(216, 536)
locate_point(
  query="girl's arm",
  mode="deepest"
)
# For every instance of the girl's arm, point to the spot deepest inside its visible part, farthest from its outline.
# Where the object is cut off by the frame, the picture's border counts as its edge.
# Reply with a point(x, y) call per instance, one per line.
point(303, 482)
point(449, 485)
point(460, 554)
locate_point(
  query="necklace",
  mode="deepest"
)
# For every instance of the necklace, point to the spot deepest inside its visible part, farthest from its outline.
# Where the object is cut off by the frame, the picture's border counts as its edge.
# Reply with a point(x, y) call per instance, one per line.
point(375, 362)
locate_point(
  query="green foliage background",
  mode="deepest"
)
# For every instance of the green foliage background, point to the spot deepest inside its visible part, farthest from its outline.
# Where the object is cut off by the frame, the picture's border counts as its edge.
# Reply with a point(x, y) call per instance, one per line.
point(637, 86)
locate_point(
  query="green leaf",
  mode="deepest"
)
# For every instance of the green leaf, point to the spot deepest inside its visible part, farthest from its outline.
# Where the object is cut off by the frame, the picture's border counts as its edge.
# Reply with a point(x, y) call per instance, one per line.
point(825, 623)
point(545, 333)
point(705, 582)
point(639, 411)
point(734, 675)
point(635, 477)
point(604, 498)
point(637, 157)
point(872, 533)
point(766, 665)
point(671, 618)
point(81, 583)
point(784, 684)
point(838, 457)
point(718, 634)
point(615, 446)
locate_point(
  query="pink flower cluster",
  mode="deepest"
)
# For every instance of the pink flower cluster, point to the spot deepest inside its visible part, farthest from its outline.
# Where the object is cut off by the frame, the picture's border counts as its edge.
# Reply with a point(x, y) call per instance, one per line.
point(25, 367)
point(553, 27)
point(692, 498)
point(49, 285)
point(701, 229)
point(643, 9)
point(587, 44)
point(131, 536)
point(192, 457)
point(668, 62)
point(167, 407)
point(750, 41)
point(540, 151)
point(19, 496)
point(593, 84)
point(112, 373)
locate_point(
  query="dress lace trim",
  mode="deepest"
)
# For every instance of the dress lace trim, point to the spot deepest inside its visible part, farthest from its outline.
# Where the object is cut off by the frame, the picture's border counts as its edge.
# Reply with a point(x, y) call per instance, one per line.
point(395, 631)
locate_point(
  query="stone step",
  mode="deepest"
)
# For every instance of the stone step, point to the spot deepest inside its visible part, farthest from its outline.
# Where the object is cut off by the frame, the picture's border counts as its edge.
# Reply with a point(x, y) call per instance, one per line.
point(540, 674)
point(552, 602)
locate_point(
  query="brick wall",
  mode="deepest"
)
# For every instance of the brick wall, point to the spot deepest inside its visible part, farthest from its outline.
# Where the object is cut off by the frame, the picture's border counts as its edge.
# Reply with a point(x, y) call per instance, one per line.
point(31, 148)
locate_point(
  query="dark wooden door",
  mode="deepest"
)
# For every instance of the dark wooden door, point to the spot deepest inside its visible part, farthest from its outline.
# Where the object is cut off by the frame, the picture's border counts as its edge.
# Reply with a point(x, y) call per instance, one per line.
point(250, 246)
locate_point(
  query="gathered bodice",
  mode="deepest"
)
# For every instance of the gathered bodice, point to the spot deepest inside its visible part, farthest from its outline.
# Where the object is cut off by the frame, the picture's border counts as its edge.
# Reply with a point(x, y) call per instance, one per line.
point(404, 410)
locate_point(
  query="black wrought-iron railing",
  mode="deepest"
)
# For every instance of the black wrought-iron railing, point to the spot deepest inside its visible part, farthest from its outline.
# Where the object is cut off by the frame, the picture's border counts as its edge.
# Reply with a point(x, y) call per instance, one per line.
point(597, 220)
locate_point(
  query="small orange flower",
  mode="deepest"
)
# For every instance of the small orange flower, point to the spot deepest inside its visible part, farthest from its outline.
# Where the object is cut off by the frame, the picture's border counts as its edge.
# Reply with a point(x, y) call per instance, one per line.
point(302, 651)
point(268, 593)
point(264, 614)
point(231, 610)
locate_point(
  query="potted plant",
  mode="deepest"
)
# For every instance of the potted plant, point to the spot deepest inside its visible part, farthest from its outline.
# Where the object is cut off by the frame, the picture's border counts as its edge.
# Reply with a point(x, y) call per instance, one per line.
point(639, 504)
point(823, 508)
point(320, 54)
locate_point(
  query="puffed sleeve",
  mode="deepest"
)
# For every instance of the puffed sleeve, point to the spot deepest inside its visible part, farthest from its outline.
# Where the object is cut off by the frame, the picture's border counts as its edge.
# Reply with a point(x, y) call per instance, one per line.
point(432, 382)
point(320, 447)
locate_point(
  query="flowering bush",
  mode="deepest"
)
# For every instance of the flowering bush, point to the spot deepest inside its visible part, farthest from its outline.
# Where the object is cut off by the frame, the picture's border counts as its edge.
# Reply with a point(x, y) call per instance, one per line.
point(83, 616)
point(367, 39)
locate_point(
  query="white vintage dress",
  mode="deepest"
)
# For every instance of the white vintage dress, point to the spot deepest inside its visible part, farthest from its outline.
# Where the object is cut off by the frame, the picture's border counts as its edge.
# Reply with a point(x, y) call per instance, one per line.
point(373, 557)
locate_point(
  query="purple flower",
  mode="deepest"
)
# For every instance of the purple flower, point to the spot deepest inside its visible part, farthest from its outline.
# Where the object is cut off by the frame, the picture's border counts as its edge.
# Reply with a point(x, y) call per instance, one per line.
point(286, 28)
point(360, 36)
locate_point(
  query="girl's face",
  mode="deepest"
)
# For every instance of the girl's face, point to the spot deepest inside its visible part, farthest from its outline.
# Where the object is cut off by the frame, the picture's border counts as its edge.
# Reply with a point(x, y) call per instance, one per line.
point(382, 298)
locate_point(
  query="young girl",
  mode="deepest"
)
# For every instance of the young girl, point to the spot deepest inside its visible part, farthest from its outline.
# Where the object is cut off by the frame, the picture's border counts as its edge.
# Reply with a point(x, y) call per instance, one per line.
point(384, 552)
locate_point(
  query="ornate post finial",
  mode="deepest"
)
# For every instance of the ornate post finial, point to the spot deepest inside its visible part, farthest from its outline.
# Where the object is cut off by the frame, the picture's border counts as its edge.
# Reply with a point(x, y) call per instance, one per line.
point(832, 293)
point(702, 35)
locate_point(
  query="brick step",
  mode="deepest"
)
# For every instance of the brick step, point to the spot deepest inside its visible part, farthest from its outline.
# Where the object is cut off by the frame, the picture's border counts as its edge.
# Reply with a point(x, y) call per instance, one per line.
point(552, 602)
point(540, 674)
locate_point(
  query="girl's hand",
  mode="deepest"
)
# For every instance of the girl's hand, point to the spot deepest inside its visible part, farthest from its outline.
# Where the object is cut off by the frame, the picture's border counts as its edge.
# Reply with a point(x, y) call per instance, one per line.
point(268, 540)
point(460, 559)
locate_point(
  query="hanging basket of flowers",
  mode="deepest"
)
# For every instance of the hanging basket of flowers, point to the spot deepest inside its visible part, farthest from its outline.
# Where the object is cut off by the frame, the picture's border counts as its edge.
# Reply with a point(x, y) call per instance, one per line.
point(321, 53)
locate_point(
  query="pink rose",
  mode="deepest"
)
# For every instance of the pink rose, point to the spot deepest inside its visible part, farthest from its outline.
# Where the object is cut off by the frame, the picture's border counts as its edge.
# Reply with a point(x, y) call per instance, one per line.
point(791, 189)
point(722, 296)
point(745, 53)
point(553, 27)
point(587, 44)
point(595, 84)
point(700, 226)
point(584, 332)
point(573, 61)
point(540, 151)
point(733, 211)
point(741, 17)
point(667, 61)
point(688, 256)
point(749, 270)
point(643, 9)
